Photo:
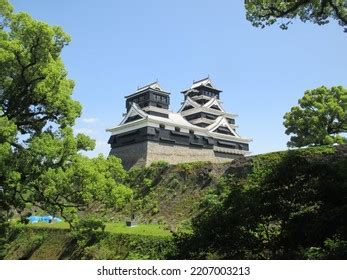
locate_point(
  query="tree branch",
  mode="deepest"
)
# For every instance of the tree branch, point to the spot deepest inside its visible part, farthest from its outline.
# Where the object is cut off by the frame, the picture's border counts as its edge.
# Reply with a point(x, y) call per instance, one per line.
point(282, 13)
point(338, 13)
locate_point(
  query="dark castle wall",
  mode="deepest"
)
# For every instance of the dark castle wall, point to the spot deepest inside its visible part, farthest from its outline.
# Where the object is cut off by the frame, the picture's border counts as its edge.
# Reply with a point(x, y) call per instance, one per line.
point(131, 155)
point(172, 137)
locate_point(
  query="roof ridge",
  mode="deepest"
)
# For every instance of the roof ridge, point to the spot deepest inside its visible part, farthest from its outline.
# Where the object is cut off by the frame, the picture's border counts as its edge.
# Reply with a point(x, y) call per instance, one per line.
point(198, 81)
point(148, 85)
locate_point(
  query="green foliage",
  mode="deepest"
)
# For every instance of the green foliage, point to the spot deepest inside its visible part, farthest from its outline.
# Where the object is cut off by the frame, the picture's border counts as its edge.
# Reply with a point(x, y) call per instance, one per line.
point(319, 119)
point(147, 182)
point(333, 248)
point(169, 192)
point(40, 160)
point(162, 164)
point(215, 196)
point(33, 80)
point(4, 232)
point(87, 230)
point(188, 167)
point(42, 242)
point(120, 227)
point(131, 247)
point(286, 205)
point(267, 12)
point(264, 164)
point(174, 181)
point(7, 134)
point(22, 243)
point(291, 206)
point(64, 184)
point(185, 227)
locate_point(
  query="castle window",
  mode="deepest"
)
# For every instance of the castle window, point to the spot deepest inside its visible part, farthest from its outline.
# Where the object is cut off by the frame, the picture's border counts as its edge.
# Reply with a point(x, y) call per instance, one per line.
point(162, 126)
point(177, 129)
point(191, 131)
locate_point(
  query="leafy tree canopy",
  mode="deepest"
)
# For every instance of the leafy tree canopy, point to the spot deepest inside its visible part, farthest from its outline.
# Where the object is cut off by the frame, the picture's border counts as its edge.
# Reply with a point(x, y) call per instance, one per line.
point(34, 88)
point(266, 12)
point(319, 119)
point(40, 160)
point(291, 205)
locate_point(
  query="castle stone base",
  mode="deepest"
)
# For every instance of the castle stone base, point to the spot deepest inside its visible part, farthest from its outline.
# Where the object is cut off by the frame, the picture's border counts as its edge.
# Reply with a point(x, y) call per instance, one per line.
point(144, 153)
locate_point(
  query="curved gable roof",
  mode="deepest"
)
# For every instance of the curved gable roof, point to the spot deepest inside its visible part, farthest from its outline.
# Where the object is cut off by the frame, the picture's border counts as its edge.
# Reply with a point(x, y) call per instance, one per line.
point(188, 102)
point(214, 102)
point(221, 121)
point(134, 111)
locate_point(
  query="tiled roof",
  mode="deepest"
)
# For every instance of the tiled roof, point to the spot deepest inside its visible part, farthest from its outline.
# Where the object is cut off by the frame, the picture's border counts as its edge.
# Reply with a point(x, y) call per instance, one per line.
point(154, 85)
point(207, 82)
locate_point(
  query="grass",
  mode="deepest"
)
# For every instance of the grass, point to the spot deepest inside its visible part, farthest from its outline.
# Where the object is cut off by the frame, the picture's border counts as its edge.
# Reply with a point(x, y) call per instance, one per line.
point(60, 225)
point(45, 241)
point(141, 229)
point(150, 229)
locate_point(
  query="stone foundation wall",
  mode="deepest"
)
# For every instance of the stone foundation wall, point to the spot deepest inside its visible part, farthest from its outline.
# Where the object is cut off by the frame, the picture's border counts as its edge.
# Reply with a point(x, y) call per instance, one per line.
point(144, 153)
point(177, 154)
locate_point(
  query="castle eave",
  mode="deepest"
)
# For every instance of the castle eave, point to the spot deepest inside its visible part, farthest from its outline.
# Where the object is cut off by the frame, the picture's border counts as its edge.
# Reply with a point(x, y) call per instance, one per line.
point(217, 136)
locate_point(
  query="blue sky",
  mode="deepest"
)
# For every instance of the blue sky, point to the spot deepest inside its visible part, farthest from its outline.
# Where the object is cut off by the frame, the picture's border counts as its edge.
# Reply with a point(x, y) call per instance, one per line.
point(120, 45)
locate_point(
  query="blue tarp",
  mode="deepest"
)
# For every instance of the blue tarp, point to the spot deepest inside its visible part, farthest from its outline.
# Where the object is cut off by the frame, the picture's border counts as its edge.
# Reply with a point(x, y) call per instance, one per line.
point(44, 219)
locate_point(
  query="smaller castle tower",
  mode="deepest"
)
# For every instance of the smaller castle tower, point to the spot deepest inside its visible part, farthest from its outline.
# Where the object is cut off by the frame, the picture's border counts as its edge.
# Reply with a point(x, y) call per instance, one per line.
point(151, 99)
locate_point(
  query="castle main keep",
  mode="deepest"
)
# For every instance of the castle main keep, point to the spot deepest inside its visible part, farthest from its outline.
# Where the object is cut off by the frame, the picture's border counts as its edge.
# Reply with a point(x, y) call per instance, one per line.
point(200, 131)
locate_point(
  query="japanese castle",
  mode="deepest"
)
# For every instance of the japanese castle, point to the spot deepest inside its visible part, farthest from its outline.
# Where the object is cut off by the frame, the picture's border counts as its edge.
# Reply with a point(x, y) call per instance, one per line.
point(200, 131)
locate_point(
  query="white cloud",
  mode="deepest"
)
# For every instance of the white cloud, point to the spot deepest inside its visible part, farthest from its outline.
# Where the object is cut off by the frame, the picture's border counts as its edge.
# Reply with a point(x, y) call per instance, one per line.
point(101, 147)
point(85, 130)
point(90, 120)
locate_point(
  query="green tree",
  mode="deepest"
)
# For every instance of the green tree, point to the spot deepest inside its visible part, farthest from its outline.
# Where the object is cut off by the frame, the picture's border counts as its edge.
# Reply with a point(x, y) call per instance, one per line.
point(290, 206)
point(40, 160)
point(52, 175)
point(266, 12)
point(34, 86)
point(319, 119)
